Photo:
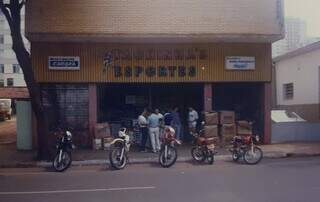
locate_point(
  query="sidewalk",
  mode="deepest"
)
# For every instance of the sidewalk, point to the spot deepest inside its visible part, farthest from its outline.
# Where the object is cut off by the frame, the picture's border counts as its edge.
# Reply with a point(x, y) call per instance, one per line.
point(9, 157)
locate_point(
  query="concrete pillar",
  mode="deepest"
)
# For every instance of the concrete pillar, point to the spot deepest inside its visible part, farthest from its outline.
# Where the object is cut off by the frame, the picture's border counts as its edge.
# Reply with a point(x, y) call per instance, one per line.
point(92, 109)
point(207, 97)
point(266, 108)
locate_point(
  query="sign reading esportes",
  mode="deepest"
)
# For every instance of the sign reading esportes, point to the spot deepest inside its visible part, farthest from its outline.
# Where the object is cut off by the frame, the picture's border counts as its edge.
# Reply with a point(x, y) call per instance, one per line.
point(157, 58)
point(64, 62)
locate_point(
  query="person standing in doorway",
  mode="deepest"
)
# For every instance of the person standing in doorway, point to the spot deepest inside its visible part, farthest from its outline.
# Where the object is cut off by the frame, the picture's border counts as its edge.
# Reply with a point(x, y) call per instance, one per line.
point(167, 118)
point(192, 119)
point(154, 130)
point(143, 126)
point(176, 123)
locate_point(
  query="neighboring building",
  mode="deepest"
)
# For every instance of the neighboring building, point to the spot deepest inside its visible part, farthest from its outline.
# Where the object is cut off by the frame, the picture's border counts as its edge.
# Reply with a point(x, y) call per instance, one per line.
point(112, 59)
point(10, 72)
point(297, 82)
point(295, 37)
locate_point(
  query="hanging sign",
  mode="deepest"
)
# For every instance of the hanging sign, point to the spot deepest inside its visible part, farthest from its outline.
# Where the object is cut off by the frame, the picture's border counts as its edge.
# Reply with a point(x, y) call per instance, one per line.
point(240, 63)
point(64, 62)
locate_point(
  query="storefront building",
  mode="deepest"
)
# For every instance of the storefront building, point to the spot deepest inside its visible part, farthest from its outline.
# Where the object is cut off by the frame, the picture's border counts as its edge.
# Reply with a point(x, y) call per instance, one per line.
point(104, 60)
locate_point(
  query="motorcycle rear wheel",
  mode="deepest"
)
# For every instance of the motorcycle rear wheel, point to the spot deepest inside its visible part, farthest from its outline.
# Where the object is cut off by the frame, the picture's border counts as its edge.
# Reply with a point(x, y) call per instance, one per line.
point(197, 154)
point(235, 156)
point(253, 158)
point(115, 160)
point(64, 163)
point(171, 156)
point(210, 158)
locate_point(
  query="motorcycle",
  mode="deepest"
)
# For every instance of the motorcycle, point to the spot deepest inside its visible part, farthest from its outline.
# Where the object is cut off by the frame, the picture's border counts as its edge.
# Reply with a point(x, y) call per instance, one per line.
point(245, 147)
point(168, 153)
point(64, 146)
point(204, 148)
point(120, 147)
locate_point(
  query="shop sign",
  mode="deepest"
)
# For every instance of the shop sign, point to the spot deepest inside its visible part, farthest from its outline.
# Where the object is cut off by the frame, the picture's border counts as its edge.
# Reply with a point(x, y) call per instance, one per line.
point(64, 62)
point(240, 63)
point(153, 71)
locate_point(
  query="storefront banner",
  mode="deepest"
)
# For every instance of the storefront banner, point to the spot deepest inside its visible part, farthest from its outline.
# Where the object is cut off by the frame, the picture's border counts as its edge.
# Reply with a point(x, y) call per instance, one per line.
point(240, 63)
point(64, 62)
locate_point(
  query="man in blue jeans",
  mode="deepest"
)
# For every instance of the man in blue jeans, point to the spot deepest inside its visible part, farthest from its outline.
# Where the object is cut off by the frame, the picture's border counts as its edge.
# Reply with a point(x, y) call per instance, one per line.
point(176, 123)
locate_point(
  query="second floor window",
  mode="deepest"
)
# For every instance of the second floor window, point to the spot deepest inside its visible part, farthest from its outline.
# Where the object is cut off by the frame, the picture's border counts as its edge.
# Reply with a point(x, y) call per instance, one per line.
point(1, 83)
point(1, 68)
point(10, 82)
point(16, 68)
point(1, 39)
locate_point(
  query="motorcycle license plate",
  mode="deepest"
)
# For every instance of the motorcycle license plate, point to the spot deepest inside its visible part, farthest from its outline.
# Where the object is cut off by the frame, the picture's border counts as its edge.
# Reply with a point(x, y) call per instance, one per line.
point(211, 147)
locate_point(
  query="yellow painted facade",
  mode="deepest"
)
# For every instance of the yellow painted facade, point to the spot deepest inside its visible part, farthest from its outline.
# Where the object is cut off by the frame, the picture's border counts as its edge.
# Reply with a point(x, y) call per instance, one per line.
point(202, 62)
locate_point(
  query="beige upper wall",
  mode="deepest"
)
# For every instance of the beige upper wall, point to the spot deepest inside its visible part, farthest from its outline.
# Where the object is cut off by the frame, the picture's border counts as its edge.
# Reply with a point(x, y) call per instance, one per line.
point(263, 19)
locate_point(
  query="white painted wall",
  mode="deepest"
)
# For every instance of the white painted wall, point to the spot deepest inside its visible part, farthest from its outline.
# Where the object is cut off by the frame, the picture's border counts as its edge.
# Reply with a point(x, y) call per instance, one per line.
point(303, 72)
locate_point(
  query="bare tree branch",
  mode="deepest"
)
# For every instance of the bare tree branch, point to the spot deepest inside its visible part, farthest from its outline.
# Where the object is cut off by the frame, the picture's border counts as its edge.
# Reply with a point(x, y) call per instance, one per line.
point(5, 10)
point(21, 4)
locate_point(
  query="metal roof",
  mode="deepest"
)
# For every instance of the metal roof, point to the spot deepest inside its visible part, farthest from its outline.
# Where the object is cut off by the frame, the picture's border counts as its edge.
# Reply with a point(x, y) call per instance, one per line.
point(300, 51)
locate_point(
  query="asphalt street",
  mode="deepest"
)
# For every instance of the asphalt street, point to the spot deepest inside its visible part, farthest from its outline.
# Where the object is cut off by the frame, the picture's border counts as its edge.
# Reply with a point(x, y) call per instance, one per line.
point(283, 180)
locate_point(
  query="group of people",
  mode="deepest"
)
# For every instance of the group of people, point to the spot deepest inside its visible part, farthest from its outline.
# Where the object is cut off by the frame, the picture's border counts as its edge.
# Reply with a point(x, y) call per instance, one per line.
point(151, 124)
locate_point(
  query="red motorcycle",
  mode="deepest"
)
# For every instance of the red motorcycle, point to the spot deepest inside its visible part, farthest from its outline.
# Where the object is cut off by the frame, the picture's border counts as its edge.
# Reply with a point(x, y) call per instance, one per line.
point(168, 153)
point(245, 146)
point(204, 148)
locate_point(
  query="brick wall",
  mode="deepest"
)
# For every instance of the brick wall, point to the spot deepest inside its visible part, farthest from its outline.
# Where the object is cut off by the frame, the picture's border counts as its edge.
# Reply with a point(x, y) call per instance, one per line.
point(263, 17)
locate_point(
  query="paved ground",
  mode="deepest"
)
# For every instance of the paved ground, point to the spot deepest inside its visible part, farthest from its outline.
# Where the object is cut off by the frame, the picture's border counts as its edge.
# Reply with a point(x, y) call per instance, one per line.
point(10, 157)
point(277, 180)
point(8, 131)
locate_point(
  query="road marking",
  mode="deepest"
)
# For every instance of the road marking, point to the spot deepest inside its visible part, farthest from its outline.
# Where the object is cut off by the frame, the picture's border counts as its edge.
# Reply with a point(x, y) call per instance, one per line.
point(76, 190)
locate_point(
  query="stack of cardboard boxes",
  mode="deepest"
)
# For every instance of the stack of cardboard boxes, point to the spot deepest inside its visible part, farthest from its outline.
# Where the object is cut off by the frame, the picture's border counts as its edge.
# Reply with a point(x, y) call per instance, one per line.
point(211, 126)
point(244, 128)
point(102, 136)
point(227, 126)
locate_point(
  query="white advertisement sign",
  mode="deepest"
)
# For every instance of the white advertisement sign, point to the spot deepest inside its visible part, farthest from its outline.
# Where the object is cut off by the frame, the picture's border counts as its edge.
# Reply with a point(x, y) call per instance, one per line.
point(64, 62)
point(240, 63)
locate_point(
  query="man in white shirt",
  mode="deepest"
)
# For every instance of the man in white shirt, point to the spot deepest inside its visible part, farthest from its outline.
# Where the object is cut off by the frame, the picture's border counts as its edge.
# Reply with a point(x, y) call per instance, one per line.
point(154, 121)
point(143, 126)
point(192, 119)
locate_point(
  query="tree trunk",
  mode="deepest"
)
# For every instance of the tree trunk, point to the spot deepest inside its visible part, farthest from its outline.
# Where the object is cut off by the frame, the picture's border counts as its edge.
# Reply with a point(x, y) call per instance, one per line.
point(12, 12)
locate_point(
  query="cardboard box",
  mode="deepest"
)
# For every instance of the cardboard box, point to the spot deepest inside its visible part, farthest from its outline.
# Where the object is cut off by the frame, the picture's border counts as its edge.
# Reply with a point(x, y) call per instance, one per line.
point(244, 128)
point(97, 144)
point(211, 118)
point(107, 142)
point(228, 130)
point(102, 130)
point(227, 117)
point(211, 131)
point(227, 139)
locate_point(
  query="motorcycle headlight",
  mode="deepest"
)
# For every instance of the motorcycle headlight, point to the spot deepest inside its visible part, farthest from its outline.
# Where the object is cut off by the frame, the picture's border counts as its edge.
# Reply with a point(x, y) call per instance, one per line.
point(257, 138)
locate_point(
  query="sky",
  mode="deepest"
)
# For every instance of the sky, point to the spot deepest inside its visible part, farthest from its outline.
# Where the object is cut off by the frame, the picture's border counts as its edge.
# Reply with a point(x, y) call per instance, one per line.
point(307, 10)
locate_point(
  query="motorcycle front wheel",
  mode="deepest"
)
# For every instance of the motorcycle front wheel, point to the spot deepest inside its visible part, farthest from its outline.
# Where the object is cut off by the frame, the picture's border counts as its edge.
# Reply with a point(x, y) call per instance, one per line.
point(197, 154)
point(254, 156)
point(64, 162)
point(115, 158)
point(171, 158)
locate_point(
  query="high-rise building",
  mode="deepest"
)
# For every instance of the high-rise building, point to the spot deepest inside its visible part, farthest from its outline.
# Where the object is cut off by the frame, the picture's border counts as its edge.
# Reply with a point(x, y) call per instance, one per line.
point(10, 71)
point(295, 37)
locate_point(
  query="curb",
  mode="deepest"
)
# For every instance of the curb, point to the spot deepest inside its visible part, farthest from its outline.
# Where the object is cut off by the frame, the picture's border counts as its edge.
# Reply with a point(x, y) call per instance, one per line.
point(46, 164)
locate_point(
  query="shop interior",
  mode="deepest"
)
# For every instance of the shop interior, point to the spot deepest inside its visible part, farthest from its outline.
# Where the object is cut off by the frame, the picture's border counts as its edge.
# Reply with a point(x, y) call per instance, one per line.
point(121, 104)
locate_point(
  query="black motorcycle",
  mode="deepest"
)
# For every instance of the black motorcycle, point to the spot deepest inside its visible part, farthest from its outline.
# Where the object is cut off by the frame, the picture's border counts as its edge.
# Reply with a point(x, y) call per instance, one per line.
point(64, 146)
